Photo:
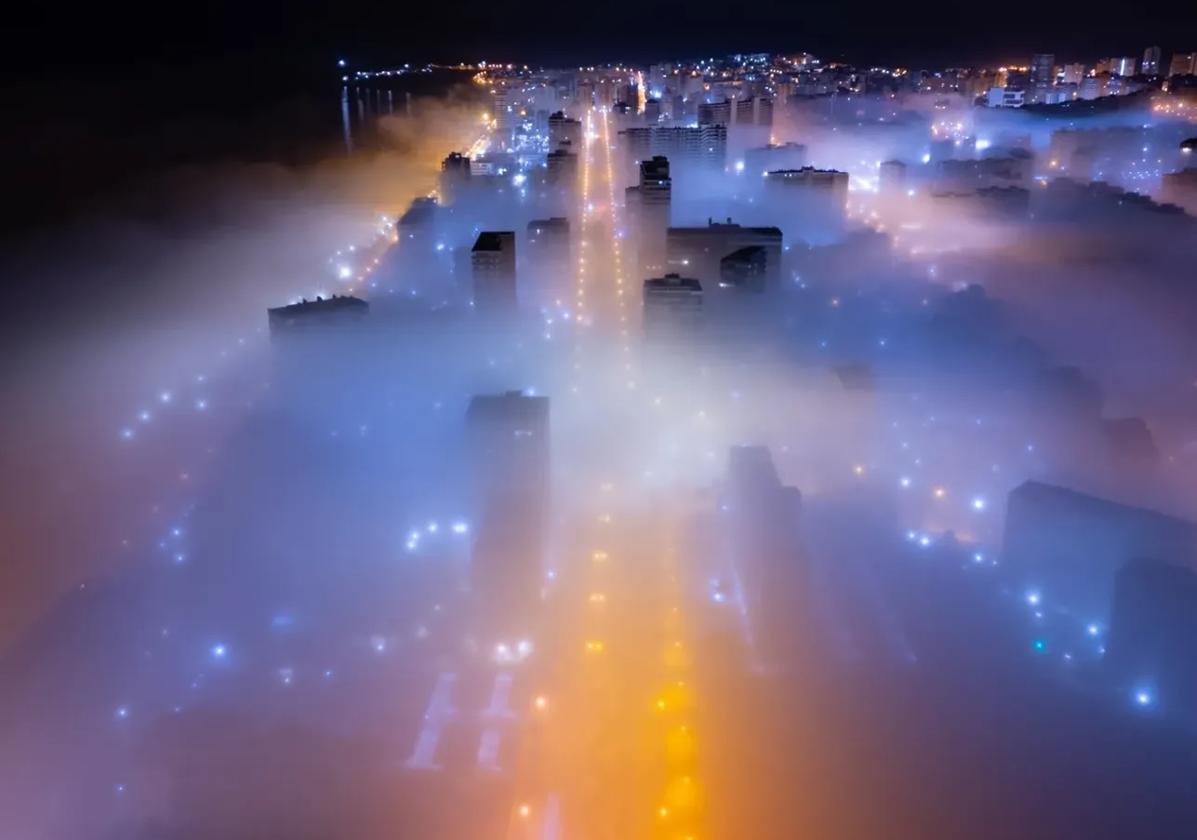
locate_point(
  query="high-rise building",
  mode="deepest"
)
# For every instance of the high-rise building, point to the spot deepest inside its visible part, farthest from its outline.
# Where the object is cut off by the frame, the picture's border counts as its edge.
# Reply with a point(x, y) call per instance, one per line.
point(652, 111)
point(808, 178)
point(1183, 64)
point(760, 524)
point(1072, 74)
point(672, 306)
point(629, 94)
point(419, 216)
point(1043, 70)
point(548, 236)
point(604, 93)
point(1123, 66)
point(677, 107)
point(704, 146)
point(656, 187)
point(743, 111)
point(764, 111)
point(584, 93)
point(319, 314)
point(759, 160)
point(753, 116)
point(1006, 97)
point(455, 176)
point(561, 166)
point(321, 348)
point(1008, 170)
point(548, 239)
point(546, 260)
point(509, 442)
point(508, 450)
point(698, 251)
point(1017, 79)
point(814, 201)
point(649, 208)
point(506, 110)
point(1151, 61)
point(1180, 188)
point(746, 269)
point(564, 130)
point(891, 177)
point(715, 113)
point(492, 260)
point(1091, 87)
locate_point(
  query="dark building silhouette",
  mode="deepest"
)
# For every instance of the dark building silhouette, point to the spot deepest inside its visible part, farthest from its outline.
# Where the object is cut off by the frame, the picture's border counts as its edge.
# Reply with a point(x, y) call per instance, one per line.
point(420, 215)
point(1012, 170)
point(563, 129)
point(455, 176)
point(316, 314)
point(774, 156)
point(649, 205)
point(672, 306)
point(546, 258)
point(319, 349)
point(746, 269)
point(1065, 547)
point(492, 260)
point(891, 177)
point(987, 202)
point(561, 167)
point(715, 113)
point(831, 182)
point(652, 111)
point(754, 111)
point(548, 239)
point(508, 448)
point(698, 251)
point(762, 541)
point(814, 202)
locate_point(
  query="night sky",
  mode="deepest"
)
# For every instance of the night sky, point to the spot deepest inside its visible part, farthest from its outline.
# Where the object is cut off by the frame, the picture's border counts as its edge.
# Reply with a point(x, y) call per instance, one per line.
point(104, 96)
point(259, 35)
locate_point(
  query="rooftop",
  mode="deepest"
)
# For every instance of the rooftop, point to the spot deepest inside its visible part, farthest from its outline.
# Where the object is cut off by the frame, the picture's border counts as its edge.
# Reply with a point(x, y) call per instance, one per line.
point(673, 281)
point(321, 305)
point(492, 240)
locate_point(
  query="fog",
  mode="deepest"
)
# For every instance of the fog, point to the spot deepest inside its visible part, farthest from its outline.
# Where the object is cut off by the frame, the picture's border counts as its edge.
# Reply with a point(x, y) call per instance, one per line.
point(893, 538)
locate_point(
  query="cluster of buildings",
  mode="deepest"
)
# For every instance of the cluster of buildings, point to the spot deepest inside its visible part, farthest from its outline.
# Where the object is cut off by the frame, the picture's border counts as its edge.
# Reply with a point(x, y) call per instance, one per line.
point(509, 455)
point(672, 122)
point(1122, 570)
point(1046, 82)
point(680, 122)
point(748, 90)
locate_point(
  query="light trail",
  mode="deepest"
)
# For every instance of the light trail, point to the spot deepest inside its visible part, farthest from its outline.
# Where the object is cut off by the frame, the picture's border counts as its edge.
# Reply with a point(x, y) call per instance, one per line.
point(617, 251)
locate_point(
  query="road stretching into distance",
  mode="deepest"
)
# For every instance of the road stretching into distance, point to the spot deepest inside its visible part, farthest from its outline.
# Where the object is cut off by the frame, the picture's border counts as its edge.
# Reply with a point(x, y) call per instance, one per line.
point(611, 748)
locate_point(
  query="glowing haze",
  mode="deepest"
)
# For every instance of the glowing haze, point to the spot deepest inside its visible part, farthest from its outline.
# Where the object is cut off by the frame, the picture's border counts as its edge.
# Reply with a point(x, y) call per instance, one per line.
point(572, 566)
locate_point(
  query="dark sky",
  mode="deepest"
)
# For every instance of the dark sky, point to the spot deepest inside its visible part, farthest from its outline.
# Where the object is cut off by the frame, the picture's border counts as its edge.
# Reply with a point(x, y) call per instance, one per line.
point(58, 35)
point(97, 95)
